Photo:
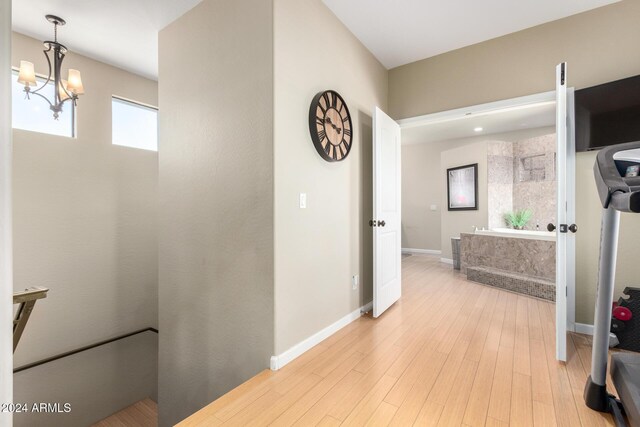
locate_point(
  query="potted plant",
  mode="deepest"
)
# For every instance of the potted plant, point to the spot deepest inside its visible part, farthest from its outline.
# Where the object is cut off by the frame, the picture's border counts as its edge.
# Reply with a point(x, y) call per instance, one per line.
point(518, 219)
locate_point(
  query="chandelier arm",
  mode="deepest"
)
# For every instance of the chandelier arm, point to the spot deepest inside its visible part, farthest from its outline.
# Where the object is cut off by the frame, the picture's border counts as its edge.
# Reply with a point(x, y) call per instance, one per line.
point(49, 76)
point(43, 97)
point(70, 95)
point(73, 98)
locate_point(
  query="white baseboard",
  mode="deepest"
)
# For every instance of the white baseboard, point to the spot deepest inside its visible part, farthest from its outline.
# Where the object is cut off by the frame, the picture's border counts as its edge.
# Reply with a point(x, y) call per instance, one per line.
point(297, 350)
point(446, 260)
point(421, 251)
point(583, 328)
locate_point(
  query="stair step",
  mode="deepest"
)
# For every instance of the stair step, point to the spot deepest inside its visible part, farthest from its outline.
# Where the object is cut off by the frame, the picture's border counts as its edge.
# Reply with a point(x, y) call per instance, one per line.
point(520, 283)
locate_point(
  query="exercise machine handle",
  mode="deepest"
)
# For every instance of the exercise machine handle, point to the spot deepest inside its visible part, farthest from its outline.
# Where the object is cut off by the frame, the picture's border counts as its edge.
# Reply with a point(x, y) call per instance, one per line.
point(615, 190)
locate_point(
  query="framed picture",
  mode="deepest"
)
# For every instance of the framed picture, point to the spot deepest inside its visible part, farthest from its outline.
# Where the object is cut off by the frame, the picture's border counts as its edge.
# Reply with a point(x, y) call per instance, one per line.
point(462, 188)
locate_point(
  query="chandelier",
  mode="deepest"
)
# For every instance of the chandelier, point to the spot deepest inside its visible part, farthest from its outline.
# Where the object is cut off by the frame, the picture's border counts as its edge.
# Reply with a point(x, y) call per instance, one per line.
point(66, 90)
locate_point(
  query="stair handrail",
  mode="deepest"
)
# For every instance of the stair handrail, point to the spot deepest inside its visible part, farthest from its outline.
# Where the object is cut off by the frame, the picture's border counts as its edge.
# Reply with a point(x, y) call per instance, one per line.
point(26, 300)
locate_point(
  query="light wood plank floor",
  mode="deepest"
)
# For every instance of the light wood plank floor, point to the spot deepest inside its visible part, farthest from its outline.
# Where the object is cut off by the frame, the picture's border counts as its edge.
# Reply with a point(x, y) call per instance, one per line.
point(140, 414)
point(450, 352)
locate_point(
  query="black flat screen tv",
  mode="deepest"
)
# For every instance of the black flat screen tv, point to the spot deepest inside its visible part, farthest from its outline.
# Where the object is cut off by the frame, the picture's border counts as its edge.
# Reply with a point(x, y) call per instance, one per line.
point(608, 114)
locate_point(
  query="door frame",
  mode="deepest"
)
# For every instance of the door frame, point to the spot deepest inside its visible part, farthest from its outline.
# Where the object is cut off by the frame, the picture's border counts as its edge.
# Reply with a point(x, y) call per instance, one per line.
point(501, 106)
point(6, 251)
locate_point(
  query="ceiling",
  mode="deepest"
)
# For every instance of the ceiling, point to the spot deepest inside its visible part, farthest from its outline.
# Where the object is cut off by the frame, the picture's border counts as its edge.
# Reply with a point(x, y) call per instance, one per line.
point(402, 31)
point(123, 33)
point(508, 120)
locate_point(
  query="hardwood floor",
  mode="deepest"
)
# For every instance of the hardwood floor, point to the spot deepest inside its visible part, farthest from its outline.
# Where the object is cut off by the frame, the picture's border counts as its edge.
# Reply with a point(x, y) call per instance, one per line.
point(450, 352)
point(140, 414)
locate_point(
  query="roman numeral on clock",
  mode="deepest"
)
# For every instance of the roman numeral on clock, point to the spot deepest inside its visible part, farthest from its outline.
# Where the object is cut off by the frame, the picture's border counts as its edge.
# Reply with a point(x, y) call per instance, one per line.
point(331, 126)
point(327, 99)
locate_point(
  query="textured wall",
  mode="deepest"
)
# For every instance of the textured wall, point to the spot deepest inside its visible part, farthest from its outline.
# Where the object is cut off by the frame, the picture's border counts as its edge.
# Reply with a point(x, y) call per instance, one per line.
point(97, 382)
point(421, 227)
point(522, 176)
point(531, 190)
point(85, 218)
point(318, 249)
point(599, 46)
point(216, 202)
point(500, 181)
point(85, 227)
point(6, 271)
point(456, 222)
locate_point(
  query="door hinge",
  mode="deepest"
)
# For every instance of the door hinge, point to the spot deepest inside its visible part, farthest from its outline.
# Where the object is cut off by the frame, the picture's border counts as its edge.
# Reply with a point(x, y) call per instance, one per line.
point(562, 73)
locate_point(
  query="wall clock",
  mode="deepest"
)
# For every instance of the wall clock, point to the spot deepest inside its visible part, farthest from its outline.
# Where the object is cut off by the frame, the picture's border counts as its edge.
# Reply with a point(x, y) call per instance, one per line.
point(330, 126)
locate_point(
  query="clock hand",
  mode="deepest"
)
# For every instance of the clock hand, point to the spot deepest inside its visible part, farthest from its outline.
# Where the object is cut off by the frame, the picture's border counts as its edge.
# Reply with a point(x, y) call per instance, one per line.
point(336, 128)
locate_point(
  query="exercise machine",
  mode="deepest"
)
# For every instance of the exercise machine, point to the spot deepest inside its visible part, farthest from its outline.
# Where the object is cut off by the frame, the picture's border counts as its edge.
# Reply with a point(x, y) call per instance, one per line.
point(617, 179)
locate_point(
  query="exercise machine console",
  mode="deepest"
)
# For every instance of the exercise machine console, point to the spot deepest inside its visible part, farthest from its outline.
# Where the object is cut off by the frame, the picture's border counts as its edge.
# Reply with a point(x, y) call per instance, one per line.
point(617, 175)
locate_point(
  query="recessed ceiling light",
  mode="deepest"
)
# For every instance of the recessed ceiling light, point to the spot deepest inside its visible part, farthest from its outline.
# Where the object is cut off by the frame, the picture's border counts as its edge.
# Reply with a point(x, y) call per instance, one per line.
point(478, 129)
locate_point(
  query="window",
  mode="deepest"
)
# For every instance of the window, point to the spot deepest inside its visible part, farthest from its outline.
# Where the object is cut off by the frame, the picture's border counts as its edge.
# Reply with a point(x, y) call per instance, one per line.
point(134, 125)
point(34, 114)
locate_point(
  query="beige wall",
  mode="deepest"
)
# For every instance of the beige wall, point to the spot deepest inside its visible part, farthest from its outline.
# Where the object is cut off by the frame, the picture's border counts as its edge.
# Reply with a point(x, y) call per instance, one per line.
point(318, 249)
point(455, 222)
point(97, 382)
point(84, 222)
point(216, 202)
point(422, 187)
point(599, 46)
point(6, 264)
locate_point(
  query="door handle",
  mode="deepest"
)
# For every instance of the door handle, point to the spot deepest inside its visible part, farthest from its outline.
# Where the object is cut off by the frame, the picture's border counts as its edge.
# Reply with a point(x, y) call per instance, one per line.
point(381, 223)
point(563, 228)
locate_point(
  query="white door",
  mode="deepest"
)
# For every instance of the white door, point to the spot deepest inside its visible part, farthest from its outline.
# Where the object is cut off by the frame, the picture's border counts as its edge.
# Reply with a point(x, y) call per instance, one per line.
point(387, 264)
point(565, 221)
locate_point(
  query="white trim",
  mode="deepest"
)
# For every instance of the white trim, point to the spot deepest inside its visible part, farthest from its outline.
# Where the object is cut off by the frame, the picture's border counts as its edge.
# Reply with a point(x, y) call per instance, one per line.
point(297, 350)
point(6, 251)
point(544, 98)
point(583, 328)
point(480, 110)
point(421, 251)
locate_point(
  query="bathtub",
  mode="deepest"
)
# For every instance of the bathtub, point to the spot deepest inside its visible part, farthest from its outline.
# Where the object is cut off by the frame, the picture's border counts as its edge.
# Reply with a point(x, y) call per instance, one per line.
point(521, 234)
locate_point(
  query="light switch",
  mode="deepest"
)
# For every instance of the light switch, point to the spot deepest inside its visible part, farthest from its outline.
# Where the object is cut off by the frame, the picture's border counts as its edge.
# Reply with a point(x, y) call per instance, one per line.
point(303, 200)
point(434, 207)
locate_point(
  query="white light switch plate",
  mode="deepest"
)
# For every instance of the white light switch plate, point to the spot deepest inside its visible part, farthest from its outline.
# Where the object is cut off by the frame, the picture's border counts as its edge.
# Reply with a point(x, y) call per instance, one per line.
point(434, 207)
point(303, 200)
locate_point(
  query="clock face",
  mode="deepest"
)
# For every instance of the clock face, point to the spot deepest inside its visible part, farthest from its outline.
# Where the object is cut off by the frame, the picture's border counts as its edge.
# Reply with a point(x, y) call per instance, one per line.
point(330, 126)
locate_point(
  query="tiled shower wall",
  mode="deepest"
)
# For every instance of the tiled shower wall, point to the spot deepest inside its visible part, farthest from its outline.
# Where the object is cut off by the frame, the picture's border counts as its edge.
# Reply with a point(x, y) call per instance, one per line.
point(500, 181)
point(521, 175)
point(534, 184)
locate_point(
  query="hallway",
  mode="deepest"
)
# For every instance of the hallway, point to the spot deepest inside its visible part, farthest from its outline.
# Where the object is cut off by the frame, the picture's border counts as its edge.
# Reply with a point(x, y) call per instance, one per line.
point(450, 352)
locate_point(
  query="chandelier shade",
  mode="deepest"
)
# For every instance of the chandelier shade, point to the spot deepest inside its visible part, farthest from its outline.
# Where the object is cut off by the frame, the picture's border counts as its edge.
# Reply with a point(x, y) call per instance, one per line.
point(27, 74)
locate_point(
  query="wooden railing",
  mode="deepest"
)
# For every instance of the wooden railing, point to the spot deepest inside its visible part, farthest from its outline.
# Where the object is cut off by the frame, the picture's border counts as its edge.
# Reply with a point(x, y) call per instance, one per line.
point(26, 300)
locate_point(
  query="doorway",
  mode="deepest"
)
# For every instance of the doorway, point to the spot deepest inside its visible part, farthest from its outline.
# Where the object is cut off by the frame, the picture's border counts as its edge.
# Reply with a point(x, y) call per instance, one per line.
point(533, 117)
